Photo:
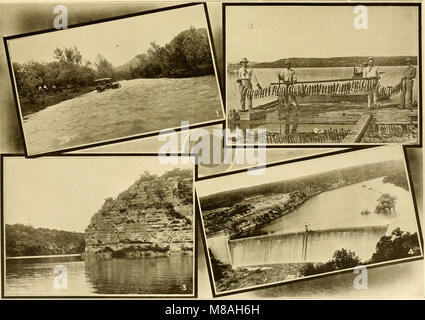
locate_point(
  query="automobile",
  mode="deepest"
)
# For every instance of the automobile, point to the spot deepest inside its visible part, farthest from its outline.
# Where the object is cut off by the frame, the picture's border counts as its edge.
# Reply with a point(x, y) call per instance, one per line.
point(106, 83)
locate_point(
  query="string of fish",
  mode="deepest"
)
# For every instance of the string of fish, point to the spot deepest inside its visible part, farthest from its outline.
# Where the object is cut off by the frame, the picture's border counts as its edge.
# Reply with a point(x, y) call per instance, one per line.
point(314, 89)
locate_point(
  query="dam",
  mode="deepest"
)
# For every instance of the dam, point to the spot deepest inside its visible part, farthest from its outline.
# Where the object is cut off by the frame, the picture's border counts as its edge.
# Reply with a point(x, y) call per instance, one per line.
point(306, 246)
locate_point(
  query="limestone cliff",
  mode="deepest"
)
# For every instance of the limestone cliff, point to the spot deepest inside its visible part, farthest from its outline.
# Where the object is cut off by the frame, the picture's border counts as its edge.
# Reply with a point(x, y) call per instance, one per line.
point(154, 216)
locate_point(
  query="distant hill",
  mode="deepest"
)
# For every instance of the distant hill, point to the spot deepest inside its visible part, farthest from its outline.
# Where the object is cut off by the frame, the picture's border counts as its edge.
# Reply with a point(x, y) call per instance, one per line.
point(187, 55)
point(128, 65)
point(335, 62)
point(24, 240)
point(393, 169)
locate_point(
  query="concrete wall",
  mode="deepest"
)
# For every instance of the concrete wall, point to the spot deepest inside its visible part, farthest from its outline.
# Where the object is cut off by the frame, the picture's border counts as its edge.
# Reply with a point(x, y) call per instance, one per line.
point(219, 246)
point(312, 246)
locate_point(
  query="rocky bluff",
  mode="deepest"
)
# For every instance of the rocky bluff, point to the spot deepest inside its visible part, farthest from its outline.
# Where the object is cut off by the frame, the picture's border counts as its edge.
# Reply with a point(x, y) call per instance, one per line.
point(153, 217)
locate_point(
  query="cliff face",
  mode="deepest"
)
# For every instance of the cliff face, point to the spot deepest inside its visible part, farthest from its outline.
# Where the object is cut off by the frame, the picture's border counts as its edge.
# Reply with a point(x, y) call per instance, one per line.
point(245, 217)
point(154, 216)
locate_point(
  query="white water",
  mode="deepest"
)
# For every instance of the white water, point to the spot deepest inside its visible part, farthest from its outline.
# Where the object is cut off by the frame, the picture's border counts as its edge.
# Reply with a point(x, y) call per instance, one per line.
point(316, 246)
point(139, 106)
point(335, 221)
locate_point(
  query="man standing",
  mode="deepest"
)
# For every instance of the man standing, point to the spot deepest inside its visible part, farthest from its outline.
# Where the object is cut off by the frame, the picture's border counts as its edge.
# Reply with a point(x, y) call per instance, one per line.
point(371, 72)
point(245, 78)
point(407, 85)
point(287, 101)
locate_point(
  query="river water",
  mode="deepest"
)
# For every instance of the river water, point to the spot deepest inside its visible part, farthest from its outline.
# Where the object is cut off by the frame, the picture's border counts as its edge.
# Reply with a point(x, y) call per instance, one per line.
point(341, 208)
point(162, 275)
point(139, 106)
point(390, 77)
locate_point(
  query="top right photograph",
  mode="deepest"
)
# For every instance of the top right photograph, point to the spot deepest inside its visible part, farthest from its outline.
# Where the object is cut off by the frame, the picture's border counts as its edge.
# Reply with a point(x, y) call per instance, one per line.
point(323, 74)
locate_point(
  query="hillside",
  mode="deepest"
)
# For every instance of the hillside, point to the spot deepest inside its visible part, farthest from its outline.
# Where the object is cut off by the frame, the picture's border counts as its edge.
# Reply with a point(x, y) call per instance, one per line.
point(335, 62)
point(187, 55)
point(309, 185)
point(24, 240)
point(243, 212)
point(154, 216)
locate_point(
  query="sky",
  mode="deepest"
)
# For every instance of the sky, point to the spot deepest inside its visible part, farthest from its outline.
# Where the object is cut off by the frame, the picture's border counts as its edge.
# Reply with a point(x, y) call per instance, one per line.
point(271, 33)
point(65, 192)
point(298, 169)
point(118, 41)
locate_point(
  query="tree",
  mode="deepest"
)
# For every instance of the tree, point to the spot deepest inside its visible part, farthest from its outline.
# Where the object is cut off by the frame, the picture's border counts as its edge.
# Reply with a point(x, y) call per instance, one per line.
point(104, 68)
point(343, 259)
point(398, 245)
point(29, 77)
point(72, 69)
point(386, 204)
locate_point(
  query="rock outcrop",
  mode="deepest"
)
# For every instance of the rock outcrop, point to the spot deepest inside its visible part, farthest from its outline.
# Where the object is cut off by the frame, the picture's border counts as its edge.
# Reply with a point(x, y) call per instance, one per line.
point(154, 216)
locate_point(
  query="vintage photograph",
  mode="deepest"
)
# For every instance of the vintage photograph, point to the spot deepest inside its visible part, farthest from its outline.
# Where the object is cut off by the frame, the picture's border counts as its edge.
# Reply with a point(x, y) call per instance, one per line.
point(308, 218)
point(307, 78)
point(98, 226)
point(128, 77)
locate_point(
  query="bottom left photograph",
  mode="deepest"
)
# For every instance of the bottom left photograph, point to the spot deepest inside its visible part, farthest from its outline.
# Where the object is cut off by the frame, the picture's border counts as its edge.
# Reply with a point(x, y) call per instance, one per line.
point(91, 226)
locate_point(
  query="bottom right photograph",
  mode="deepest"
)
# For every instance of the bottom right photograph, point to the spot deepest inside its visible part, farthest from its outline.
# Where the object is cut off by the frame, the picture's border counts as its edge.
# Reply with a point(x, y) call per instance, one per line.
point(297, 220)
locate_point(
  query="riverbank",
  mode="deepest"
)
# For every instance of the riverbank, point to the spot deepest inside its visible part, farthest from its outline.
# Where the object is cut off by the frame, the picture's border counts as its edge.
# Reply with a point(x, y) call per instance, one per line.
point(240, 278)
point(49, 99)
point(246, 217)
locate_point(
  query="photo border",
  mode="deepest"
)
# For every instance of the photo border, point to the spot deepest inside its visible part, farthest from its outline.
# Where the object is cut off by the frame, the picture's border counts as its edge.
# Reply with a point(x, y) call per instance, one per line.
point(419, 144)
point(118, 139)
point(193, 295)
point(217, 294)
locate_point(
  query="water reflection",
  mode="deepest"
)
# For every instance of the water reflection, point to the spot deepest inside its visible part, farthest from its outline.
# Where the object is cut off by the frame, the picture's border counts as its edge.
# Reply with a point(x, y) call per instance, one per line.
point(164, 275)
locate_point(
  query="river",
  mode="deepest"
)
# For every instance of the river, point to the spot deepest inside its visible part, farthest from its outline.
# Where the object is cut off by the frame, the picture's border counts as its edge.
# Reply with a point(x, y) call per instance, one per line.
point(341, 208)
point(390, 77)
point(139, 106)
point(162, 275)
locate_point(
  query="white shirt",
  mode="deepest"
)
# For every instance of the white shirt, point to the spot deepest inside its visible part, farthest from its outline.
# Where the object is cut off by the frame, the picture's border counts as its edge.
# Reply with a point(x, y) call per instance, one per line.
point(370, 72)
point(246, 74)
point(288, 75)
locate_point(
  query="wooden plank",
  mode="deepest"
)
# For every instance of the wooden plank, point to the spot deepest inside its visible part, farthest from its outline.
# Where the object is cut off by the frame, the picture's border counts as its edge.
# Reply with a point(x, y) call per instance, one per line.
point(252, 115)
point(358, 130)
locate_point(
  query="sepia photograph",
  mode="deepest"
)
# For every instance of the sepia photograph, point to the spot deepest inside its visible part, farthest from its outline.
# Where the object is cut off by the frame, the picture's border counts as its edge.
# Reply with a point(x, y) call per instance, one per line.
point(78, 226)
point(307, 78)
point(308, 218)
point(114, 80)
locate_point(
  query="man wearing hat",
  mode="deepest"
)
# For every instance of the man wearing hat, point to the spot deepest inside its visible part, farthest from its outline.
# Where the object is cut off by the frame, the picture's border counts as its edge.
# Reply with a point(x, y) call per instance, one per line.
point(287, 101)
point(245, 78)
point(371, 72)
point(407, 85)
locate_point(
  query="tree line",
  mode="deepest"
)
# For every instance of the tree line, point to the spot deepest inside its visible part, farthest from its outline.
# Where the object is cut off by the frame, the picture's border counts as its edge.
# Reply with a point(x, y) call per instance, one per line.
point(310, 185)
point(187, 55)
point(336, 62)
point(24, 240)
point(68, 70)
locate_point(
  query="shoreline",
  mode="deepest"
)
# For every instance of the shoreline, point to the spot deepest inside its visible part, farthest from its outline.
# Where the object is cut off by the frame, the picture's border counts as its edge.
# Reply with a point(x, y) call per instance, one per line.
point(28, 108)
point(256, 230)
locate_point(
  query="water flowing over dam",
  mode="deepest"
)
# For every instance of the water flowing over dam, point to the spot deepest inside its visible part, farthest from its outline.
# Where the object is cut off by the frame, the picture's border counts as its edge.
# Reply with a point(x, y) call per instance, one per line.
point(307, 246)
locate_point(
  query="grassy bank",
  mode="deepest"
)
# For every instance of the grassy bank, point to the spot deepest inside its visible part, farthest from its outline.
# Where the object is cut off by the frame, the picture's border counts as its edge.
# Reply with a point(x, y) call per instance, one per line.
point(50, 99)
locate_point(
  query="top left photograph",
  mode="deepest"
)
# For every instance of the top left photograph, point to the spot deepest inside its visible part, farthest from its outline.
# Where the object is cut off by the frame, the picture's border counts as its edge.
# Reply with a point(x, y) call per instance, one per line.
point(108, 81)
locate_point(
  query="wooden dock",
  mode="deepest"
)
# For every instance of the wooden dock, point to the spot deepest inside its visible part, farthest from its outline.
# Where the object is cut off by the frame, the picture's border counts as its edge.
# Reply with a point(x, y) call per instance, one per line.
point(356, 118)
